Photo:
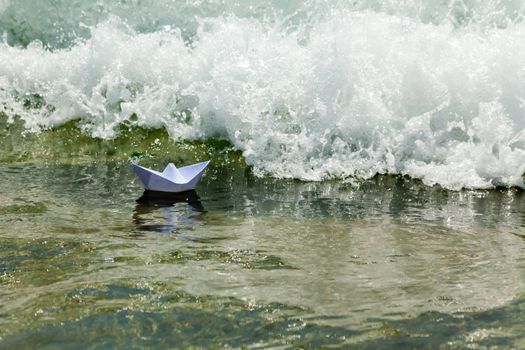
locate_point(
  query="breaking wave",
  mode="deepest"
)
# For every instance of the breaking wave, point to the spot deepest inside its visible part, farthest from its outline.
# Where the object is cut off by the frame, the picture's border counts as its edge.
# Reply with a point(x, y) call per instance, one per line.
point(311, 91)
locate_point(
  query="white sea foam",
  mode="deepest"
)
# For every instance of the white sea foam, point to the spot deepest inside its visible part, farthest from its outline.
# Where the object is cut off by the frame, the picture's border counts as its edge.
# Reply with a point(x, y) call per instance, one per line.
point(355, 94)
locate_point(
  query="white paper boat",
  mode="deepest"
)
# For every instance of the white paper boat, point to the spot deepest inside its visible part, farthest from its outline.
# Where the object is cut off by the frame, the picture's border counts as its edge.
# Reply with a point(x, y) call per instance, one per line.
point(172, 179)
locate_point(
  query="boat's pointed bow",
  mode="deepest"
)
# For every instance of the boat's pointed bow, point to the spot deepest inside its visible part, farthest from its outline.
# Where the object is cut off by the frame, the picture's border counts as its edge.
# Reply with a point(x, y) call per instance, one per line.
point(144, 174)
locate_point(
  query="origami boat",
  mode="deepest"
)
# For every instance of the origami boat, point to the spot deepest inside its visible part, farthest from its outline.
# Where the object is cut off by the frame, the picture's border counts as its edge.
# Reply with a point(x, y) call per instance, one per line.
point(172, 179)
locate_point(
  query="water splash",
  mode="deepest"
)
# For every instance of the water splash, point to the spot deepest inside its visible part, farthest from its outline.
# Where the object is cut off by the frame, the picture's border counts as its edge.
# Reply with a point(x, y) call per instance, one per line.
point(431, 92)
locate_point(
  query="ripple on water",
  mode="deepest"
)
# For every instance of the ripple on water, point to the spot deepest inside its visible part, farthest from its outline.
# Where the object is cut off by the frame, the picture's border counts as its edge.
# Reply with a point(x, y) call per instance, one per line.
point(389, 264)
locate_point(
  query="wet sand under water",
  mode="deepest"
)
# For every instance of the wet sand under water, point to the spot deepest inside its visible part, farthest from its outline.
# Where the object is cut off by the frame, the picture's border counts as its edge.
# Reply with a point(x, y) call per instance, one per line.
point(249, 262)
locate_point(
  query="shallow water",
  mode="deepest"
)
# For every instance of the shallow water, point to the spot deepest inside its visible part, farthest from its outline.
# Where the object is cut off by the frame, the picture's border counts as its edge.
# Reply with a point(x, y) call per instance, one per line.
point(251, 262)
point(372, 99)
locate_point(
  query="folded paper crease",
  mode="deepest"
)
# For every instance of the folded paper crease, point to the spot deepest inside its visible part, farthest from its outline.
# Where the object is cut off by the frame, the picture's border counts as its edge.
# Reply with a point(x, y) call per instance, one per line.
point(172, 179)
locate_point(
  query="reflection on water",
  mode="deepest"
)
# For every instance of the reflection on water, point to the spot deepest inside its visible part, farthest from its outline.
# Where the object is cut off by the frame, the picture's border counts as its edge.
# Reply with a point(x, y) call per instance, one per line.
point(255, 262)
point(168, 212)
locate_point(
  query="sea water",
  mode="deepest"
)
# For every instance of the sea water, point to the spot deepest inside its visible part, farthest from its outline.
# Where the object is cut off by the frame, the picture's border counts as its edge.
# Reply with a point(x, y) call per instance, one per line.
point(310, 90)
point(365, 188)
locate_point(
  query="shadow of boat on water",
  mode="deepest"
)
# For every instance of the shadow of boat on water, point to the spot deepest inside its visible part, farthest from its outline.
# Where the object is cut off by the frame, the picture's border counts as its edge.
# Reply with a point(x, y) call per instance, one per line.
point(166, 212)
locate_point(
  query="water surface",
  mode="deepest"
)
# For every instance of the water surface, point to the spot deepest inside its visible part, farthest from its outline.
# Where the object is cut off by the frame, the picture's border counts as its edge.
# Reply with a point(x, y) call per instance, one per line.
point(366, 186)
point(249, 262)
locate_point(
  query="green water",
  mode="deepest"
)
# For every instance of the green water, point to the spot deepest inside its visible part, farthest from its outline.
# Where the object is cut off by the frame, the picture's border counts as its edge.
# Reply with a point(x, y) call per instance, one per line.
point(245, 262)
point(314, 89)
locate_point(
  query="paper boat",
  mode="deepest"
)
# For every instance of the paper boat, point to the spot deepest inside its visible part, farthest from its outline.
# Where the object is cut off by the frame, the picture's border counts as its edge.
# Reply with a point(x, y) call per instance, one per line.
point(172, 179)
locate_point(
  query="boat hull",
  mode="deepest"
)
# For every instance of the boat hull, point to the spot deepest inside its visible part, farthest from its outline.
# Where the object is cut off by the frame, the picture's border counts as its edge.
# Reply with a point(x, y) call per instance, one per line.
point(155, 181)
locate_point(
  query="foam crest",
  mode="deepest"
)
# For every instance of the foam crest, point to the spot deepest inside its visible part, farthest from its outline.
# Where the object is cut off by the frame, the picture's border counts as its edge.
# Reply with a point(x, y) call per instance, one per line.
point(362, 93)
